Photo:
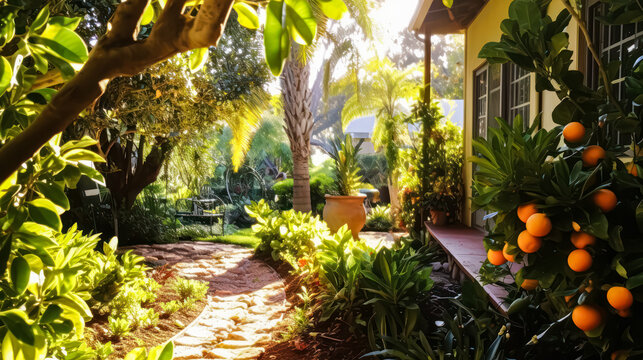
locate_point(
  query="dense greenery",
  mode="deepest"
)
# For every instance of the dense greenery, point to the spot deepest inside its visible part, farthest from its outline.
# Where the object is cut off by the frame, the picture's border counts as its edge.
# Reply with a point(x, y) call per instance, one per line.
point(345, 155)
point(568, 183)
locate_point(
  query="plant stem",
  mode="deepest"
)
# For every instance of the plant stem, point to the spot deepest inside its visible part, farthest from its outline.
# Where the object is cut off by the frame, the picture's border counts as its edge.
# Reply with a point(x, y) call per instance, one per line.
point(594, 52)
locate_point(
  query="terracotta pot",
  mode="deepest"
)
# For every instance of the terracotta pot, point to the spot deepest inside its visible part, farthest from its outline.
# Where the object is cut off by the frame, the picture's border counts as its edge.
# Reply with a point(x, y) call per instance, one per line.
point(345, 210)
point(438, 217)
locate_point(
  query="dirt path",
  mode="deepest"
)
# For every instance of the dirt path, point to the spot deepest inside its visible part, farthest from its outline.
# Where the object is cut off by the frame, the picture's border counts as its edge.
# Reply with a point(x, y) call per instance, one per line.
point(246, 299)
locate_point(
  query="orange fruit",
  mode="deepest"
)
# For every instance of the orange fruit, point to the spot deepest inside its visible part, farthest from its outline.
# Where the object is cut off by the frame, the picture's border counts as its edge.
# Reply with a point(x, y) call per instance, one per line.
point(496, 257)
point(620, 298)
point(605, 199)
point(574, 132)
point(507, 255)
point(592, 155)
point(575, 226)
point(582, 239)
point(529, 284)
point(586, 317)
point(539, 225)
point(619, 355)
point(624, 313)
point(632, 169)
point(579, 260)
point(529, 243)
point(526, 210)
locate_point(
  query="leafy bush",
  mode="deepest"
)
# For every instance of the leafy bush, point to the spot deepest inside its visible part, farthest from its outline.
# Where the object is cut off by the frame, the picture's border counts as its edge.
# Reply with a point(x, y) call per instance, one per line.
point(119, 327)
point(346, 170)
point(518, 167)
point(287, 235)
point(190, 289)
point(170, 307)
point(321, 183)
point(380, 219)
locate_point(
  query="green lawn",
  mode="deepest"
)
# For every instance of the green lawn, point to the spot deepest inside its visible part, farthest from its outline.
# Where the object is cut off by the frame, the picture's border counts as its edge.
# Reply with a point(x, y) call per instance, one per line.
point(243, 237)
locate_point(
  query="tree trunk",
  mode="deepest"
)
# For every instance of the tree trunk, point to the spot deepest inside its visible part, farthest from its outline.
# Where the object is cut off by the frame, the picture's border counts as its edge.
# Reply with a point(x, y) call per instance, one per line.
point(298, 126)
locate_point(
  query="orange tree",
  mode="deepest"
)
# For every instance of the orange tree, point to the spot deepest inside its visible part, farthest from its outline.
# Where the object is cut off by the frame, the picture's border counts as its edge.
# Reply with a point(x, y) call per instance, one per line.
point(570, 210)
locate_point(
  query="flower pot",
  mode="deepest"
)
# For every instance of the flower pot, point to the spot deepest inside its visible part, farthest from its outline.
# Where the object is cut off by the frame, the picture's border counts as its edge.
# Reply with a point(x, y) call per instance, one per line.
point(438, 217)
point(345, 210)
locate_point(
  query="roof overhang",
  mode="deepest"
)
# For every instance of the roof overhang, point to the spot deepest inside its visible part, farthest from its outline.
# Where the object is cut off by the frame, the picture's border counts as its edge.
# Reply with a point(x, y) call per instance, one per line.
point(431, 16)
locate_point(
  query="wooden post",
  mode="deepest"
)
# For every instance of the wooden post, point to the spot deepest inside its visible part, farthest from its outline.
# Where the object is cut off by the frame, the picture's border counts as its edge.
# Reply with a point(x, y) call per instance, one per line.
point(427, 64)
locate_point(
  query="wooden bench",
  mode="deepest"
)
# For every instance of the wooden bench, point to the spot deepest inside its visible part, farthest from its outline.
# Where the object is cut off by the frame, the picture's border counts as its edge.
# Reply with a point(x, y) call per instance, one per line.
point(465, 254)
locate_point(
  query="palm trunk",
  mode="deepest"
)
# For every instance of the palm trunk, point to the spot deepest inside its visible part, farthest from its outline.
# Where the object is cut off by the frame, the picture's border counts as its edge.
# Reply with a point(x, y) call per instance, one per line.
point(298, 126)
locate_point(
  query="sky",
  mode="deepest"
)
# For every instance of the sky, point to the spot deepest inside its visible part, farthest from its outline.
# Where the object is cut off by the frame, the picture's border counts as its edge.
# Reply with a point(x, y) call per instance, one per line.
point(391, 18)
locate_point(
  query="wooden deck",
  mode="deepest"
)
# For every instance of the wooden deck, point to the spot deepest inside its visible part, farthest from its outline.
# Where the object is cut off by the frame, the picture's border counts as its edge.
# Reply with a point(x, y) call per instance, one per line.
point(465, 251)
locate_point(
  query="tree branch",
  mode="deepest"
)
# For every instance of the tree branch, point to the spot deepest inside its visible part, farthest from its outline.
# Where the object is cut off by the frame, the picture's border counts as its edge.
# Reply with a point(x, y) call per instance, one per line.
point(118, 53)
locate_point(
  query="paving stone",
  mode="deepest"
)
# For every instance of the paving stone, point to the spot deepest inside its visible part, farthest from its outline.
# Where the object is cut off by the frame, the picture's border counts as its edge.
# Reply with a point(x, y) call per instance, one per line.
point(246, 301)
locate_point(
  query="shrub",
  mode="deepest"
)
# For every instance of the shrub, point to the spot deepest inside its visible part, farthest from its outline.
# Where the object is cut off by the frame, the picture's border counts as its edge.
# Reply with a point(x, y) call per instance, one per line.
point(380, 219)
point(518, 167)
point(190, 289)
point(119, 327)
point(287, 235)
point(170, 307)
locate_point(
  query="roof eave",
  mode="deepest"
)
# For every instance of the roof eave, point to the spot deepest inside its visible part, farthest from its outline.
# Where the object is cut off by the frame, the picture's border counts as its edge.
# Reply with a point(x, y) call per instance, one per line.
point(419, 15)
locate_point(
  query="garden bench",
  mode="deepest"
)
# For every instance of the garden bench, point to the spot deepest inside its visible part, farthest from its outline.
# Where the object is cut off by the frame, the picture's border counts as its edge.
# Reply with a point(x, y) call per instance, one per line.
point(465, 253)
point(206, 211)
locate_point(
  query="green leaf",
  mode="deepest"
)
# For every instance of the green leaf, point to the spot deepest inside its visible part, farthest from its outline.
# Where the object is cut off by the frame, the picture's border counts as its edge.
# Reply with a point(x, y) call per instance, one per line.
point(65, 43)
point(91, 172)
point(40, 21)
point(162, 352)
point(86, 141)
point(447, 3)
point(198, 58)
point(302, 24)
point(334, 9)
point(82, 154)
point(53, 192)
point(75, 303)
point(69, 23)
point(559, 42)
point(52, 313)
point(275, 37)
point(43, 211)
point(136, 354)
point(246, 15)
point(148, 15)
point(20, 272)
point(17, 322)
point(6, 73)
point(527, 14)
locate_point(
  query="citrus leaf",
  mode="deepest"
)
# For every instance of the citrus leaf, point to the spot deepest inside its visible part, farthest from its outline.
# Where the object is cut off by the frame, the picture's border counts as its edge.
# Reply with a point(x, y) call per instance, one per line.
point(301, 21)
point(20, 272)
point(246, 15)
point(334, 9)
point(275, 37)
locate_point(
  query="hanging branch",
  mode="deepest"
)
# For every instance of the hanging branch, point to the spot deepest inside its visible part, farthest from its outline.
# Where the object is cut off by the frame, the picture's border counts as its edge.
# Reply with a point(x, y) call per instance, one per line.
point(118, 53)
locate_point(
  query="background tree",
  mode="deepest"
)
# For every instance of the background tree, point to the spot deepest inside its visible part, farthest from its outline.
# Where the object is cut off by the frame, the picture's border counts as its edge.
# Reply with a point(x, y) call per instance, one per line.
point(382, 89)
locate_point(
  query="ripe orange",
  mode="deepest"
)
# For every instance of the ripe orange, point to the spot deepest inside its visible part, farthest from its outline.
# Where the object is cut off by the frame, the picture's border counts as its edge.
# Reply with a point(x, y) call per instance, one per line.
point(526, 210)
point(586, 317)
point(575, 226)
point(529, 284)
point(620, 298)
point(529, 243)
point(605, 200)
point(632, 169)
point(574, 132)
point(619, 355)
point(496, 257)
point(539, 225)
point(592, 155)
point(582, 239)
point(624, 313)
point(507, 255)
point(579, 260)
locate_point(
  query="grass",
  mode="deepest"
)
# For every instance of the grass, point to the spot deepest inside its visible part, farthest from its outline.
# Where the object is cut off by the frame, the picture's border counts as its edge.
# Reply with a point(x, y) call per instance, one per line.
point(243, 237)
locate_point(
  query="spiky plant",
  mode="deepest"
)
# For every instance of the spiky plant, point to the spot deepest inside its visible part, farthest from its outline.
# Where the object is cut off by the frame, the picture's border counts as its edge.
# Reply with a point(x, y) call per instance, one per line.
point(346, 170)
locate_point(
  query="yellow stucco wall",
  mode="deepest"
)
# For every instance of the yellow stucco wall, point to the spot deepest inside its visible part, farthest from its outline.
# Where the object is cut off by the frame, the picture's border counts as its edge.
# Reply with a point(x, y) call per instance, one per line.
point(484, 28)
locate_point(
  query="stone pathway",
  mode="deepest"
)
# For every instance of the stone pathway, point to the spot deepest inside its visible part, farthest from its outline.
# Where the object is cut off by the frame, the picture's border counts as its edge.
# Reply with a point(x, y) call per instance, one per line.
point(246, 299)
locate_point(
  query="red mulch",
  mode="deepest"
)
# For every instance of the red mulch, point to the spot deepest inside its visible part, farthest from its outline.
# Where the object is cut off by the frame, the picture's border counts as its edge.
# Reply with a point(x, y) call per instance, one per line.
point(323, 341)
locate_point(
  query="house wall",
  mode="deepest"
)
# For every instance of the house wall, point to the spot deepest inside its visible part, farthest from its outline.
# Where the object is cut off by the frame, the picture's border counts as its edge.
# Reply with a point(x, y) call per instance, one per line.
point(485, 28)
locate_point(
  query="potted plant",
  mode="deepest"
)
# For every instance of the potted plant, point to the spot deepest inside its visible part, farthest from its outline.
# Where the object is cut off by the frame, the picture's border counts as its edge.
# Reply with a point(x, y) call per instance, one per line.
point(346, 207)
point(440, 206)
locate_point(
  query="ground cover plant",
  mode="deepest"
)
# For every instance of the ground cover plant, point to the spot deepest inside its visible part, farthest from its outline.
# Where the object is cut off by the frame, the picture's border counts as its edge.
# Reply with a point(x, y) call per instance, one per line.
point(570, 211)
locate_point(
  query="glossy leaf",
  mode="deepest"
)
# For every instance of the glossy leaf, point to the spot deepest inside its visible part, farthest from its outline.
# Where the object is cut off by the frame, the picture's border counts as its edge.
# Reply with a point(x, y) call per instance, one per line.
point(40, 21)
point(334, 9)
point(6, 73)
point(44, 212)
point(301, 22)
point(65, 43)
point(17, 322)
point(53, 192)
point(82, 154)
point(246, 15)
point(20, 272)
point(275, 37)
point(198, 59)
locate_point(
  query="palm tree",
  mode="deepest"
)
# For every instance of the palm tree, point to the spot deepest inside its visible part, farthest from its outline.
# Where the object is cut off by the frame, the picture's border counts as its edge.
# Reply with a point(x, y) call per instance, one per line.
point(382, 89)
point(297, 98)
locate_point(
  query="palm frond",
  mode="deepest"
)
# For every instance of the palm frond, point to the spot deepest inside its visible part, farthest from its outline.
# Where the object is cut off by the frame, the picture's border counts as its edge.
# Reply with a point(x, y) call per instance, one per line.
point(244, 122)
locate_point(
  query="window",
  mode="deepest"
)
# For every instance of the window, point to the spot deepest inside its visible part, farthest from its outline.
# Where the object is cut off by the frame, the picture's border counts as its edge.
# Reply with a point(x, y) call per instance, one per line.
point(614, 43)
point(499, 91)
